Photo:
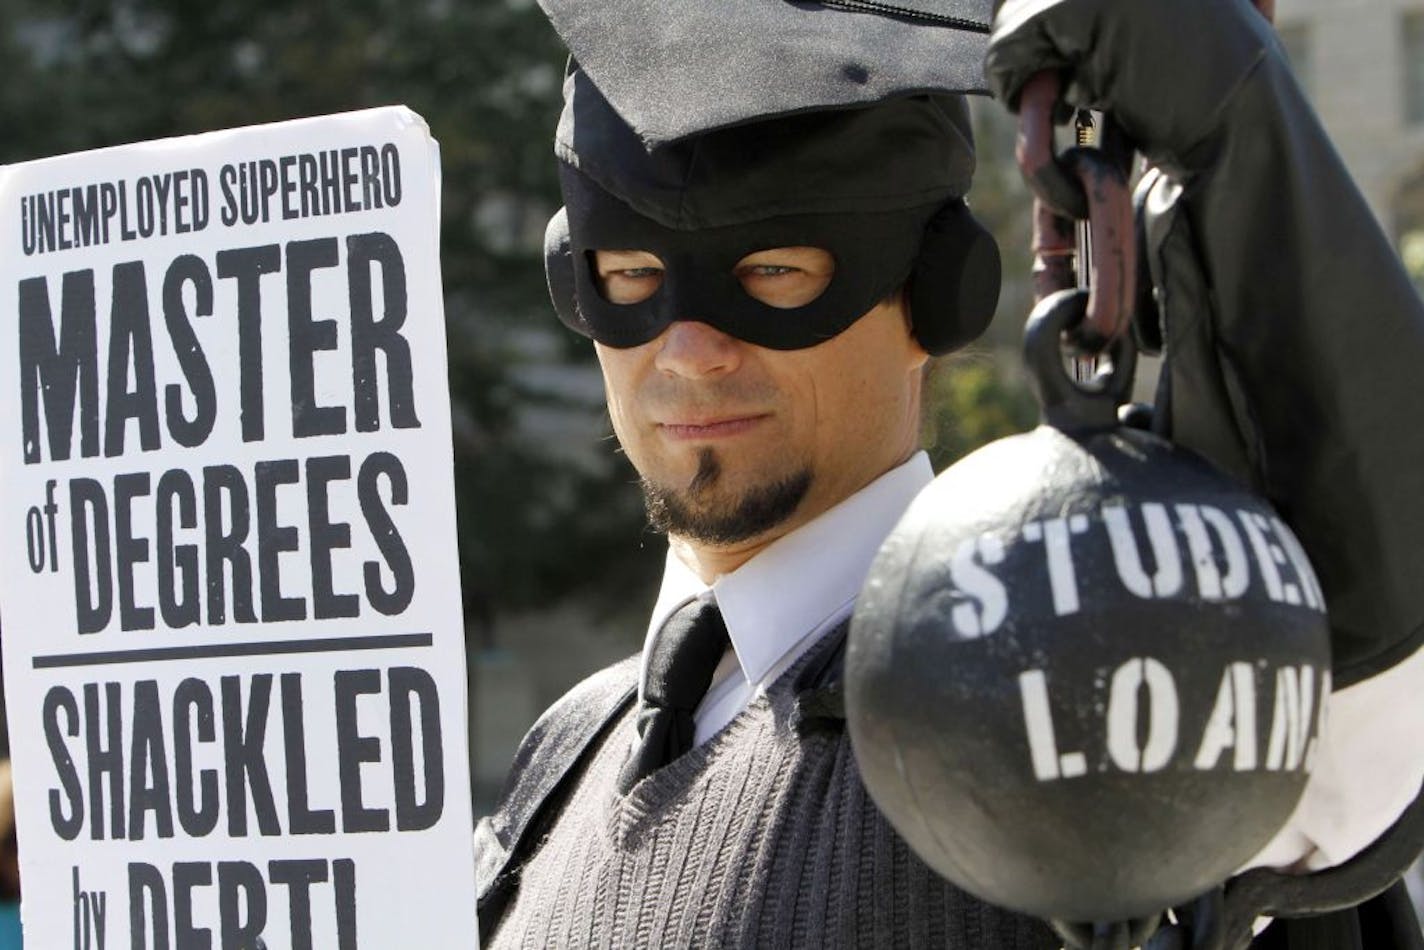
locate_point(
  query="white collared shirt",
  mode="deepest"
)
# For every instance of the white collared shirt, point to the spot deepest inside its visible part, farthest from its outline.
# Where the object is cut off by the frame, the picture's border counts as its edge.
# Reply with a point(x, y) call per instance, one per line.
point(1369, 763)
point(783, 600)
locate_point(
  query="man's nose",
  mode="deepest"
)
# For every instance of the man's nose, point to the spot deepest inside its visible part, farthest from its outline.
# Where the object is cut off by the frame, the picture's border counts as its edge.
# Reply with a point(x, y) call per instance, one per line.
point(692, 349)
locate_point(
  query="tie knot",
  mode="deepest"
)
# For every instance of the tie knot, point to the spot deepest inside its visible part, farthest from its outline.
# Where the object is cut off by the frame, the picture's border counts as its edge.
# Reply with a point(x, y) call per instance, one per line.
point(685, 653)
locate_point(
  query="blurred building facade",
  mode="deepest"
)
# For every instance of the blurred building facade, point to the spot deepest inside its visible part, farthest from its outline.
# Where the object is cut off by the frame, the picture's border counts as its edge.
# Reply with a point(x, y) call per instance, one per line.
point(1362, 63)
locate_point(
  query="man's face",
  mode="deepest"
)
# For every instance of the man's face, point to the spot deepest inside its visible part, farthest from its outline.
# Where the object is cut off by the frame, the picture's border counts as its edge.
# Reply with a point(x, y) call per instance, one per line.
point(737, 444)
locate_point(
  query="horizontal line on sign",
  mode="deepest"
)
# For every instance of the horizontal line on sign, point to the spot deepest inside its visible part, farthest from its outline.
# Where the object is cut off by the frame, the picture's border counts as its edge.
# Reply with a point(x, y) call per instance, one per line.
point(206, 651)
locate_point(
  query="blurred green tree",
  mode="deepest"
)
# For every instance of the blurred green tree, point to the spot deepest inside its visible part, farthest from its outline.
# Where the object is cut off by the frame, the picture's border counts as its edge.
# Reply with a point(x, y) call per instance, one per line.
point(538, 501)
point(972, 399)
point(541, 501)
point(978, 395)
point(1003, 202)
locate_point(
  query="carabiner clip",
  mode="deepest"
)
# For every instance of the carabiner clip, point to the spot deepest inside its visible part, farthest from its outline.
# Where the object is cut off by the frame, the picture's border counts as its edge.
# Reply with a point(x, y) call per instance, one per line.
point(1082, 184)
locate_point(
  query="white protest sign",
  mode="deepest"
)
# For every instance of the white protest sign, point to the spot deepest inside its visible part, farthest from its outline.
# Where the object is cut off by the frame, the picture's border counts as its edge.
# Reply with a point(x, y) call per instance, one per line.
point(234, 658)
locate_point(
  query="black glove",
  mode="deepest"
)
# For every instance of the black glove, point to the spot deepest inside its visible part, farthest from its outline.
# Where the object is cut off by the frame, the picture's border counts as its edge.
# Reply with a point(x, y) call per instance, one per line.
point(1294, 339)
point(1165, 69)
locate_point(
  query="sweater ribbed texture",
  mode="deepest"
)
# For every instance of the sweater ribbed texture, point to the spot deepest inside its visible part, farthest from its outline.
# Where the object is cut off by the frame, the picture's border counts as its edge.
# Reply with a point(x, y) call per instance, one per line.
point(760, 837)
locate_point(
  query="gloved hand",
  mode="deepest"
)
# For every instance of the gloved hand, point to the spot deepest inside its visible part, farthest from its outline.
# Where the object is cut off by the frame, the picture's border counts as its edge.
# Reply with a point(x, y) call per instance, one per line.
point(1290, 330)
point(1288, 319)
point(1165, 69)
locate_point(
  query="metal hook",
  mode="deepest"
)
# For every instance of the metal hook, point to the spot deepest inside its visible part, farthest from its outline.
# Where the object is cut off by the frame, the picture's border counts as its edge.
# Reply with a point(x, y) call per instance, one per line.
point(1085, 184)
point(1066, 404)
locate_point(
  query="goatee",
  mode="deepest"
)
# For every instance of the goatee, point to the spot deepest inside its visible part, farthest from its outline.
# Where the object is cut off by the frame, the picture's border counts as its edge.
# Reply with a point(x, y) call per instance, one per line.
point(758, 510)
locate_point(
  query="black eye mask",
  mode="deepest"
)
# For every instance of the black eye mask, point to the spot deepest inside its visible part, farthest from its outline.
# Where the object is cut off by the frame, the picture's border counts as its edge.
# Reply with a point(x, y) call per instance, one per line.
point(874, 254)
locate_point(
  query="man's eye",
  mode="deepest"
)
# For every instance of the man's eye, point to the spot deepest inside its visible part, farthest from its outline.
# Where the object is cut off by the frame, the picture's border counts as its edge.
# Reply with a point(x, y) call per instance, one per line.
point(786, 277)
point(626, 285)
point(769, 270)
point(626, 276)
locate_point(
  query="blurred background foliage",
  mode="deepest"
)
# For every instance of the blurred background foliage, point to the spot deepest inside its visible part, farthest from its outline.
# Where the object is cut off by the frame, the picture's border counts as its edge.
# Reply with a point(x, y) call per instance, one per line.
point(543, 494)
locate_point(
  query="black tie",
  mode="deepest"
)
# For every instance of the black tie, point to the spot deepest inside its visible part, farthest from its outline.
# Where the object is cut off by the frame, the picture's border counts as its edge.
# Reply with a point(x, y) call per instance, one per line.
point(686, 652)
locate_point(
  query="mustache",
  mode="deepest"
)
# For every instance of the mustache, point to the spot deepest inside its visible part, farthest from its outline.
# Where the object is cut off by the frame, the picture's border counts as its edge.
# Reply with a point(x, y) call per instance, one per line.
point(672, 395)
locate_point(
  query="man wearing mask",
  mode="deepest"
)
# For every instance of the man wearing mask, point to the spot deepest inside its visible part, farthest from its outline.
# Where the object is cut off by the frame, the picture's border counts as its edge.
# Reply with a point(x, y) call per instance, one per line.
point(765, 235)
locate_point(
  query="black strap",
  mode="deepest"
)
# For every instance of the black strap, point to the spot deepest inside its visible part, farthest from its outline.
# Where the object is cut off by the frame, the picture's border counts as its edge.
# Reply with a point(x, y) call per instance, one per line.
point(540, 780)
point(1389, 920)
point(1263, 892)
point(1384, 922)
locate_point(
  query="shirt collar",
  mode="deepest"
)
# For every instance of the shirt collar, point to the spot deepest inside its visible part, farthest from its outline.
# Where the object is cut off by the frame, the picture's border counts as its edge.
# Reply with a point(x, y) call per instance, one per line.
point(802, 580)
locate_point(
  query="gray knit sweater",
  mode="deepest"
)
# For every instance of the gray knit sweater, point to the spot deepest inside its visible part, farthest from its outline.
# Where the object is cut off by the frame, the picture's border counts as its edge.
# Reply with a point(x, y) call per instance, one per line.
point(762, 837)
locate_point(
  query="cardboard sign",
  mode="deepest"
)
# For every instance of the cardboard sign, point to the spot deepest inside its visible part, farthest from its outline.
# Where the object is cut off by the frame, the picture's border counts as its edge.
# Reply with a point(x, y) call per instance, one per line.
point(234, 657)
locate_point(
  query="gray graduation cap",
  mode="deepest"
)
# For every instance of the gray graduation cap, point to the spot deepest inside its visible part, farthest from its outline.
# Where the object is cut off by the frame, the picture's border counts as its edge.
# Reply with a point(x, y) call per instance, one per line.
point(676, 68)
point(704, 115)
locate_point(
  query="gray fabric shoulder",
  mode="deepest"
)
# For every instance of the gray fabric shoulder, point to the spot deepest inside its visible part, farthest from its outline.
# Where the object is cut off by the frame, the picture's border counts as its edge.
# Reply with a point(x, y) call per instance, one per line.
point(548, 754)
